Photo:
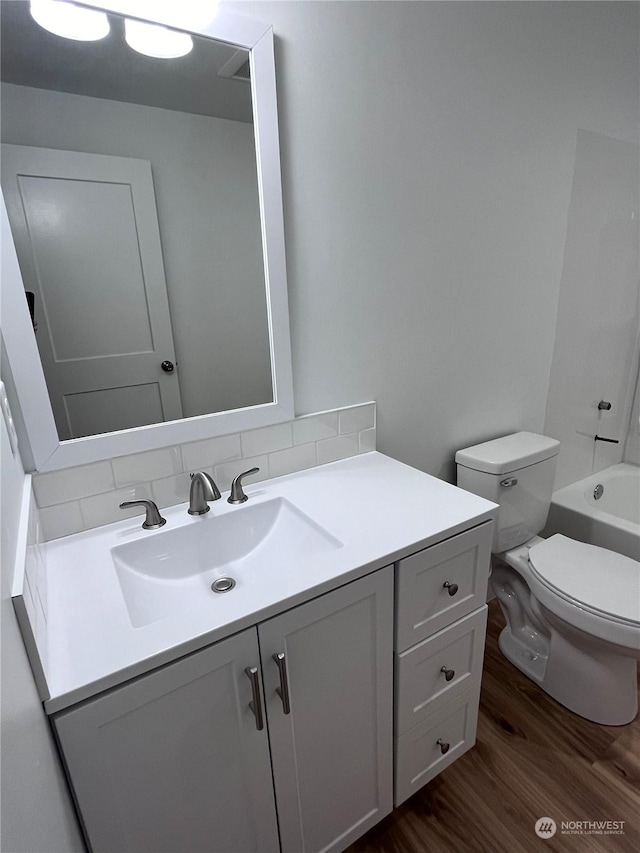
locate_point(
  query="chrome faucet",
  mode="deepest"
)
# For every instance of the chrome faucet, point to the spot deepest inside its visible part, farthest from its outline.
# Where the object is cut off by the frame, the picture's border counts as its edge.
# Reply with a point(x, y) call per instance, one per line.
point(202, 490)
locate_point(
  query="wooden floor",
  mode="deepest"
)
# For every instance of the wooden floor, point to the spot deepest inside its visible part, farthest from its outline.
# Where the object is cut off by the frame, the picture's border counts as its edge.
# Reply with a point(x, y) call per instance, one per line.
point(532, 759)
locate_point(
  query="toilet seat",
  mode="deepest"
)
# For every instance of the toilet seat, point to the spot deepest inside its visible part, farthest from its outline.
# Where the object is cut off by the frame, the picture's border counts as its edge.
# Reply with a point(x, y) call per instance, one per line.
point(594, 579)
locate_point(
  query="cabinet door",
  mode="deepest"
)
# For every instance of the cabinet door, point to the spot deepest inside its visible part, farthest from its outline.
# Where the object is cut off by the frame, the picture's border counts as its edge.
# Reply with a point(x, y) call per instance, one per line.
point(332, 754)
point(173, 762)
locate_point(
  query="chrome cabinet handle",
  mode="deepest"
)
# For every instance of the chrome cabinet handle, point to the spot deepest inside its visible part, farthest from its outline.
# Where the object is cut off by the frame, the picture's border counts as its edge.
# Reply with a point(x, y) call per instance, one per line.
point(283, 690)
point(256, 705)
point(444, 747)
point(448, 673)
point(451, 588)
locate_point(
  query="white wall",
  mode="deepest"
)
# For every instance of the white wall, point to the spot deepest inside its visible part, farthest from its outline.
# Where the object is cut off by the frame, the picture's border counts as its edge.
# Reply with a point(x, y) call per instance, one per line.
point(632, 445)
point(428, 155)
point(36, 810)
point(204, 173)
point(595, 356)
point(428, 152)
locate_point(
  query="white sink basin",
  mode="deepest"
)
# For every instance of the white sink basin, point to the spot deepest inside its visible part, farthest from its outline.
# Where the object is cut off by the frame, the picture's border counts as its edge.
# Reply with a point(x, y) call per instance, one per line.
point(172, 570)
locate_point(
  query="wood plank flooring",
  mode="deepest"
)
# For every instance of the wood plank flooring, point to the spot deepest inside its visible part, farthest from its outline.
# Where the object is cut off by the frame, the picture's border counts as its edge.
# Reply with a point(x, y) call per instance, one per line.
point(532, 759)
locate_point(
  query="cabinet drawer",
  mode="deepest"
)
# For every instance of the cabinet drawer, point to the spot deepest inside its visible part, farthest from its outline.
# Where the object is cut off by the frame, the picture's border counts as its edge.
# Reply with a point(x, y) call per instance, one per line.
point(425, 581)
point(419, 755)
point(421, 685)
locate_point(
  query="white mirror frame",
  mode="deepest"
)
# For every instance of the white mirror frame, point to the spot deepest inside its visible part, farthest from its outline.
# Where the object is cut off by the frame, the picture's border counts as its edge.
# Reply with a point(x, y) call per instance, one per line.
point(40, 446)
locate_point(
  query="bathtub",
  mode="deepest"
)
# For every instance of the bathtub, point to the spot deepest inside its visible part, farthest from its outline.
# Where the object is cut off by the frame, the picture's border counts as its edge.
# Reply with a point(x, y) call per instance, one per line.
point(611, 521)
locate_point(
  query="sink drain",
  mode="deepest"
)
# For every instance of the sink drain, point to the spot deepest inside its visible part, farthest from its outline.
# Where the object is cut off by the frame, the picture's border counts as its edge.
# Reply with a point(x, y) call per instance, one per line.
point(223, 584)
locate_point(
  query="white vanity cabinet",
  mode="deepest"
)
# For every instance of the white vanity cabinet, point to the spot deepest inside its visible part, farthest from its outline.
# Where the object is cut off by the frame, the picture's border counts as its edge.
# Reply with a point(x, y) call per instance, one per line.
point(441, 618)
point(332, 754)
point(175, 761)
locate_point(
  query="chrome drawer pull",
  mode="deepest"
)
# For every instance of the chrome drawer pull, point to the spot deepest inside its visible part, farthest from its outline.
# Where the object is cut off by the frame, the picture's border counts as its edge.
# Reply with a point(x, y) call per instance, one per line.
point(283, 690)
point(256, 706)
point(444, 747)
point(448, 673)
point(451, 588)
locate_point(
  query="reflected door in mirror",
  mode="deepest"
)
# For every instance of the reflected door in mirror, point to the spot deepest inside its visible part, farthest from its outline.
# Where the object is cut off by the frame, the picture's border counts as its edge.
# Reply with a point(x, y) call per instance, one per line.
point(88, 243)
point(207, 123)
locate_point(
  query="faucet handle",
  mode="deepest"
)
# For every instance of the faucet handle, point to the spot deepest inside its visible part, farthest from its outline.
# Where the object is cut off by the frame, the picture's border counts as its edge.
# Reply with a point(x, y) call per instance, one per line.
point(237, 495)
point(153, 519)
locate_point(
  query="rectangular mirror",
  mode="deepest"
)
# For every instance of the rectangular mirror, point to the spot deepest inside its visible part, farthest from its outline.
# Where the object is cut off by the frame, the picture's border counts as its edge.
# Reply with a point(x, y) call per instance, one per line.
point(144, 202)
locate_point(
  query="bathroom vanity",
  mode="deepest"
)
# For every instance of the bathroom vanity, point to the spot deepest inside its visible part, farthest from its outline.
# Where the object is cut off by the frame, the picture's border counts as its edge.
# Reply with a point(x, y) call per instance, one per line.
point(267, 718)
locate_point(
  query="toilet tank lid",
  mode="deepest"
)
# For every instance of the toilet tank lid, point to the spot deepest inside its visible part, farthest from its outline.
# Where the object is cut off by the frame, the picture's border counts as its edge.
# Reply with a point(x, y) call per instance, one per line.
point(509, 453)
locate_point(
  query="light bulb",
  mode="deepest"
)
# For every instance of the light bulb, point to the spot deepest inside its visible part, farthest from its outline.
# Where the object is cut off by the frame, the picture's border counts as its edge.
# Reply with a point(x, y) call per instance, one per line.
point(72, 22)
point(155, 40)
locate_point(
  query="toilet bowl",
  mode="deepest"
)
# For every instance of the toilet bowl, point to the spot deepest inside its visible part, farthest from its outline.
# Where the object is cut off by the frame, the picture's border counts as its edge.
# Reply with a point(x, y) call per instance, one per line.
point(572, 610)
point(577, 641)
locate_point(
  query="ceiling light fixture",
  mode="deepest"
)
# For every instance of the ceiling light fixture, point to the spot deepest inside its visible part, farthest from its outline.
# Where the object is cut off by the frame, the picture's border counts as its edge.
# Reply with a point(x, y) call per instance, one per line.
point(194, 15)
point(69, 21)
point(155, 40)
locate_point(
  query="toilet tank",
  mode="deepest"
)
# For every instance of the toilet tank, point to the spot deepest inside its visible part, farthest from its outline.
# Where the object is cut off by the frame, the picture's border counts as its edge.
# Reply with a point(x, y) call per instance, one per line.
point(516, 472)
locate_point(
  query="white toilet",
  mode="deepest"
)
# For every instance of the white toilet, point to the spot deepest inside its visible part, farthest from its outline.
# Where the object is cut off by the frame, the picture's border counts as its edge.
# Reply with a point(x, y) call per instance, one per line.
point(572, 610)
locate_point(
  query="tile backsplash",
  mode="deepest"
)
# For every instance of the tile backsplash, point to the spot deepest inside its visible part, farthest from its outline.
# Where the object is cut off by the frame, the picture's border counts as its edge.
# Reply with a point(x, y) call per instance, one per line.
point(88, 496)
point(30, 602)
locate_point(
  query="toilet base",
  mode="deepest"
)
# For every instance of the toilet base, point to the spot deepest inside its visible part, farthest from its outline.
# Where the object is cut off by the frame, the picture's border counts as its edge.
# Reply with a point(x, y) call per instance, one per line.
point(597, 680)
point(593, 681)
point(531, 663)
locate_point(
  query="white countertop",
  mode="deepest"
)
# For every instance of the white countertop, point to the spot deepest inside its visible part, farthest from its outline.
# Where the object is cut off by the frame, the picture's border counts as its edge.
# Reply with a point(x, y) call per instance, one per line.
point(380, 509)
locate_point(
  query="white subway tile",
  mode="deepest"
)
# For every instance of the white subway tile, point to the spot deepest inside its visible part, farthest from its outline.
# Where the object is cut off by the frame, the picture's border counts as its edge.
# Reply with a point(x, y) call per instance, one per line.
point(103, 509)
point(367, 440)
point(315, 427)
point(292, 459)
point(201, 455)
point(28, 595)
point(30, 585)
point(71, 484)
point(340, 447)
point(35, 534)
point(169, 491)
point(357, 418)
point(41, 638)
point(225, 473)
point(41, 582)
point(142, 467)
point(88, 496)
point(61, 520)
point(32, 529)
point(266, 439)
